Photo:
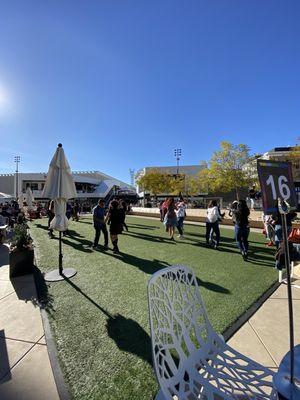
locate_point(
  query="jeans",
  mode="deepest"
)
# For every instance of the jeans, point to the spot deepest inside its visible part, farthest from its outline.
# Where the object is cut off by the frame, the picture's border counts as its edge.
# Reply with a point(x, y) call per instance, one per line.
point(180, 225)
point(214, 227)
point(241, 237)
point(279, 234)
point(98, 230)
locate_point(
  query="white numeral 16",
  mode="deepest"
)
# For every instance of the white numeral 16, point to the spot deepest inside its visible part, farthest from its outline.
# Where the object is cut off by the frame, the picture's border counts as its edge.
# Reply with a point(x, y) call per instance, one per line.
point(284, 190)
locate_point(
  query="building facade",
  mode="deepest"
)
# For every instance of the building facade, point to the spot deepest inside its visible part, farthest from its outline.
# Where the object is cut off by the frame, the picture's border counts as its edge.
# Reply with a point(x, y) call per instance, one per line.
point(183, 170)
point(89, 184)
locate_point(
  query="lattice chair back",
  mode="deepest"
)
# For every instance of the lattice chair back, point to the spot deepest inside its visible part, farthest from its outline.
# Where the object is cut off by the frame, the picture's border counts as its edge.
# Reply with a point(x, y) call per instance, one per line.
point(192, 361)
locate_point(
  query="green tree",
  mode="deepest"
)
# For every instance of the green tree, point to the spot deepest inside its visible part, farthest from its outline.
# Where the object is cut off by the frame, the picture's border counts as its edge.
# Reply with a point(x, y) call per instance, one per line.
point(227, 170)
point(155, 182)
point(294, 158)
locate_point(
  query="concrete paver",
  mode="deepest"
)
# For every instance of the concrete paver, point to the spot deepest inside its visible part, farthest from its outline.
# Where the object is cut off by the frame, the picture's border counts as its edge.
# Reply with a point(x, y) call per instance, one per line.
point(25, 370)
point(252, 347)
point(272, 326)
point(29, 326)
point(31, 378)
point(11, 351)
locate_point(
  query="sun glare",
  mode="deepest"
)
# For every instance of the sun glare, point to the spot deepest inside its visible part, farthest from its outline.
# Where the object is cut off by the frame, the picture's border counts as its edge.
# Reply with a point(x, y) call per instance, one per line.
point(3, 97)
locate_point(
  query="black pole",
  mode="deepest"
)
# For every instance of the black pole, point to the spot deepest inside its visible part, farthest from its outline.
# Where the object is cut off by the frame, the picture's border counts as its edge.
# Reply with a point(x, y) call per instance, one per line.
point(60, 257)
point(289, 290)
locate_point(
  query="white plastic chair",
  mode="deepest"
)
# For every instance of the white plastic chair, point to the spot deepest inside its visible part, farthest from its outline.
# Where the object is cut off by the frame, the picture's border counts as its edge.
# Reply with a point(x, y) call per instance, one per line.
point(191, 360)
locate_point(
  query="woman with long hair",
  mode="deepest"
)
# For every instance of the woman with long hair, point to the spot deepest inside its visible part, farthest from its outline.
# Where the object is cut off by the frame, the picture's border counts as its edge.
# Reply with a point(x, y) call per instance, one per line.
point(116, 224)
point(170, 219)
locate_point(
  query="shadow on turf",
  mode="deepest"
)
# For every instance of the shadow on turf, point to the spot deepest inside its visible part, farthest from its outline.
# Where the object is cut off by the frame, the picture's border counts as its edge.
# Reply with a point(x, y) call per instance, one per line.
point(212, 286)
point(128, 335)
point(144, 236)
point(139, 226)
point(147, 266)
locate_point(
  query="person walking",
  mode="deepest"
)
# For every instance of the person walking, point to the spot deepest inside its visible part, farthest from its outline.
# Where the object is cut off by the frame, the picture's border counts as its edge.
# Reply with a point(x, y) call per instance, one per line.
point(241, 228)
point(51, 215)
point(99, 224)
point(123, 210)
point(116, 225)
point(212, 223)
point(252, 197)
point(181, 206)
point(170, 219)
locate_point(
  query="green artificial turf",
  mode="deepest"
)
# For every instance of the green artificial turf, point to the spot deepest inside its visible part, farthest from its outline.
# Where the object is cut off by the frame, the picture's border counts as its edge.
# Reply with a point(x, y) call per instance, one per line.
point(99, 318)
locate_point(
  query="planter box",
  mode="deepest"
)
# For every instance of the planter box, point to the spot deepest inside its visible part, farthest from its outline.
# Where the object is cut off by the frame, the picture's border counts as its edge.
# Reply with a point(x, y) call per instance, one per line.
point(20, 262)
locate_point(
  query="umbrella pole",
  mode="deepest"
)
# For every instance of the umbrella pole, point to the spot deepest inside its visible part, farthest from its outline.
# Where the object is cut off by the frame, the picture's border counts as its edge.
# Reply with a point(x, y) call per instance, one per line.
point(60, 256)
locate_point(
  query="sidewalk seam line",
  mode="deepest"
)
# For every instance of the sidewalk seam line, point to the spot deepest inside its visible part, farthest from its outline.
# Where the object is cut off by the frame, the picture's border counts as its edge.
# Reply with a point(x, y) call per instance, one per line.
point(20, 359)
point(262, 342)
point(9, 294)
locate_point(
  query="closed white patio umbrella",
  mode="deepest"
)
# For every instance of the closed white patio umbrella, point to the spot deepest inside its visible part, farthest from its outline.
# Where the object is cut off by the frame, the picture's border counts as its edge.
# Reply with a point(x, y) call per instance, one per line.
point(29, 198)
point(59, 187)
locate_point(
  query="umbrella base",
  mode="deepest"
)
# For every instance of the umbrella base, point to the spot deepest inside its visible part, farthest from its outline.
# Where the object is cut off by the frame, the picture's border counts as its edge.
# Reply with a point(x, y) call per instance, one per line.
point(54, 276)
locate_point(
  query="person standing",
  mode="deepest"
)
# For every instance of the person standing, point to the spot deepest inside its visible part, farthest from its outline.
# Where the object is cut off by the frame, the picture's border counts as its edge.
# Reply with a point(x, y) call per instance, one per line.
point(181, 206)
point(116, 225)
point(123, 210)
point(241, 228)
point(99, 224)
point(51, 215)
point(170, 219)
point(212, 223)
point(252, 197)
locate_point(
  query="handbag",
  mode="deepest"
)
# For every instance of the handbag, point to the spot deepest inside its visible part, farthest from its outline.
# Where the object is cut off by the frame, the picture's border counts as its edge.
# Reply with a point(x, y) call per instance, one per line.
point(294, 236)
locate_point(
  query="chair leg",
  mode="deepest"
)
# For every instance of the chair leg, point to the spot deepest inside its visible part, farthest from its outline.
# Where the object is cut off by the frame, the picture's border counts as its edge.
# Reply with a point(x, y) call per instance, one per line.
point(160, 396)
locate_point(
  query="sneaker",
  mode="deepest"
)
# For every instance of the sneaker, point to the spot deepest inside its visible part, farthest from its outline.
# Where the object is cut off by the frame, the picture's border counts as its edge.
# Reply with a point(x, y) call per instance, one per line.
point(245, 255)
point(105, 247)
point(180, 236)
point(172, 238)
point(216, 246)
point(94, 247)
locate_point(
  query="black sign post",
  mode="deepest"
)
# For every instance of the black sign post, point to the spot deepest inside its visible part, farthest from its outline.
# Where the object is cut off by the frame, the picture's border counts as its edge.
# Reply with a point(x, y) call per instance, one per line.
point(278, 193)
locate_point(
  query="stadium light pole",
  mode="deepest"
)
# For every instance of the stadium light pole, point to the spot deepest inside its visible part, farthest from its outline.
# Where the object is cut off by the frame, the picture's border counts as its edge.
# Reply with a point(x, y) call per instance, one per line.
point(177, 153)
point(17, 159)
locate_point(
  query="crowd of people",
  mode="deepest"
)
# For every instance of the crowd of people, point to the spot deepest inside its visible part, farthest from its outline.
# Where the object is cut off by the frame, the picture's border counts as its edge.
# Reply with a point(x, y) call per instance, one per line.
point(172, 215)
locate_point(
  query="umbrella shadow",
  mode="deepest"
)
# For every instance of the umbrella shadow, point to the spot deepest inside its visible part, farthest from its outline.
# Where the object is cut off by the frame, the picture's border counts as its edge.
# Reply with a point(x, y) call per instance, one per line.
point(128, 335)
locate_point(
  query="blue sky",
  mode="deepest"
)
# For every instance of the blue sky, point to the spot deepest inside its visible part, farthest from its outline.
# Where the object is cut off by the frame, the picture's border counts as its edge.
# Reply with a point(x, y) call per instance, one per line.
point(122, 83)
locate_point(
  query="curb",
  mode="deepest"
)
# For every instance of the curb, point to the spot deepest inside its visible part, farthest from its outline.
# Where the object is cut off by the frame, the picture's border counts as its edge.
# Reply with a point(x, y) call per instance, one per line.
point(237, 324)
point(61, 386)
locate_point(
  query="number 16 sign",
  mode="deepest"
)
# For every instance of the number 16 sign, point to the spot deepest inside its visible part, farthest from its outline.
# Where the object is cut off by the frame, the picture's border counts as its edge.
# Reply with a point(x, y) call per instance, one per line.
point(276, 182)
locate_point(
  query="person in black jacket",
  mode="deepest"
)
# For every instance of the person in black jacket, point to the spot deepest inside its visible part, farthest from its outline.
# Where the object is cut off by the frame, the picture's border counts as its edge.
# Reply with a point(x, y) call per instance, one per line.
point(241, 228)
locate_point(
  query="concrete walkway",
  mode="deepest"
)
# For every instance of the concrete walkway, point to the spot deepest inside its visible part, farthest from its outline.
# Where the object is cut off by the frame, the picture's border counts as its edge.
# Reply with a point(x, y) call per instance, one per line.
point(265, 337)
point(25, 370)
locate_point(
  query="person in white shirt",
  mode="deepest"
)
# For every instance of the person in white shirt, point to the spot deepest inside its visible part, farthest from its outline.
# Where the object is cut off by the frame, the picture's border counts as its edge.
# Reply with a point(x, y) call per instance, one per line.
point(212, 223)
point(180, 212)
